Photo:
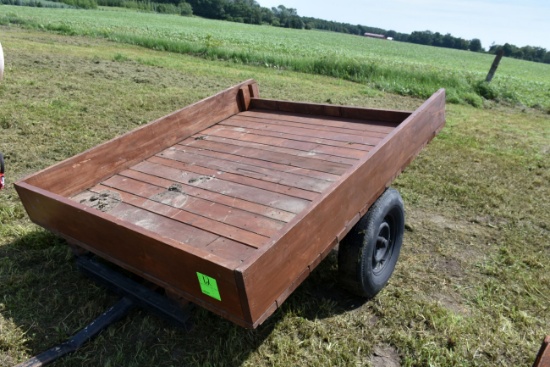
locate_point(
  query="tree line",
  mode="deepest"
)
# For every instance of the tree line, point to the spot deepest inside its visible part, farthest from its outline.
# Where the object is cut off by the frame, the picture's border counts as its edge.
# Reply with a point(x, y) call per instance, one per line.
point(530, 53)
point(249, 11)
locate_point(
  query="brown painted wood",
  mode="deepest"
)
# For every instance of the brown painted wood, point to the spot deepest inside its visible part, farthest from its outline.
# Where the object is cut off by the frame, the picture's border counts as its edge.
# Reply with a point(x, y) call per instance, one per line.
point(181, 200)
point(170, 222)
point(318, 125)
point(276, 170)
point(256, 260)
point(301, 132)
point(163, 261)
point(273, 147)
point(309, 167)
point(254, 90)
point(350, 124)
point(329, 214)
point(543, 356)
point(243, 177)
point(237, 251)
point(263, 171)
point(296, 138)
point(255, 195)
point(329, 110)
point(84, 170)
point(248, 206)
point(245, 135)
point(228, 249)
point(163, 225)
point(244, 98)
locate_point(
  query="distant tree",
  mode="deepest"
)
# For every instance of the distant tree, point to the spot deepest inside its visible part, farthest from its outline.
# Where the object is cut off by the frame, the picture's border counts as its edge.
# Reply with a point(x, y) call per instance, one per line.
point(186, 9)
point(391, 33)
point(213, 9)
point(539, 54)
point(267, 15)
point(448, 41)
point(475, 45)
point(462, 44)
point(508, 49)
point(422, 38)
point(437, 39)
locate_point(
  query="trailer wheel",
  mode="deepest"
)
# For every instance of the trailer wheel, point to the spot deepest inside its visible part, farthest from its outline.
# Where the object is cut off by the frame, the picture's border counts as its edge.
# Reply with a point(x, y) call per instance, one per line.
point(369, 252)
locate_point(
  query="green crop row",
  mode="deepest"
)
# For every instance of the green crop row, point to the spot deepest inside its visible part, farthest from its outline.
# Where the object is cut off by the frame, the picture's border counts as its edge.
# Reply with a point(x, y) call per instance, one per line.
point(395, 67)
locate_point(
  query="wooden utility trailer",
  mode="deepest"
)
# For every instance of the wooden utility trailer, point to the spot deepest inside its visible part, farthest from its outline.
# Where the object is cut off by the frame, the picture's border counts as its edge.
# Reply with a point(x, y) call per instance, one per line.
point(232, 201)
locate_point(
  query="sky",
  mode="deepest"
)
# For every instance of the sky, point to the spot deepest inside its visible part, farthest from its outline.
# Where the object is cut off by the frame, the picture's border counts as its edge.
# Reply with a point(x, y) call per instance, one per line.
point(518, 22)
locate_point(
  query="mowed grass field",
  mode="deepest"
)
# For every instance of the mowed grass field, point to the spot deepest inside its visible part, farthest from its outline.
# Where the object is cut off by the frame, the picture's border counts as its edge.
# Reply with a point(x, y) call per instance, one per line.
point(471, 286)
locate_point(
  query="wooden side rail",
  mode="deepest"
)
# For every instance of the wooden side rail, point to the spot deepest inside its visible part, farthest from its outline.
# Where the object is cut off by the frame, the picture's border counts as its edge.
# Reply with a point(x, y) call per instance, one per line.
point(84, 170)
point(543, 357)
point(309, 234)
point(391, 116)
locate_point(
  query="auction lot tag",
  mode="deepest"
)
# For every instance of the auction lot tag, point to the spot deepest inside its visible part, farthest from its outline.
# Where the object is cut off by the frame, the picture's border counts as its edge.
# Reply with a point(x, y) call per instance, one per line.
point(209, 286)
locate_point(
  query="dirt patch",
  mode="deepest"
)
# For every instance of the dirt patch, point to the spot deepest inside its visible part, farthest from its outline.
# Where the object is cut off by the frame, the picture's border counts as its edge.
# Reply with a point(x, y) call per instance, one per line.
point(459, 241)
point(491, 222)
point(199, 180)
point(451, 302)
point(385, 356)
point(450, 266)
point(173, 196)
point(104, 201)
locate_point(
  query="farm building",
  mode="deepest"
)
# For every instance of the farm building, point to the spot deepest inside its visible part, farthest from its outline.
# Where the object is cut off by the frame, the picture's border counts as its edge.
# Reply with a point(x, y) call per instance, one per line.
point(374, 35)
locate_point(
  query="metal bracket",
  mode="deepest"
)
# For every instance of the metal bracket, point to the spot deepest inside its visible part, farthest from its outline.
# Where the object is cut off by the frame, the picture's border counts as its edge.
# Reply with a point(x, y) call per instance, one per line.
point(140, 294)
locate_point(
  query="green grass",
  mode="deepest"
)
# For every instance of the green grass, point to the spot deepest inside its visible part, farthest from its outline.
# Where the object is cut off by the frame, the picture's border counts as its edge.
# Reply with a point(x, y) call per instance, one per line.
point(395, 67)
point(470, 288)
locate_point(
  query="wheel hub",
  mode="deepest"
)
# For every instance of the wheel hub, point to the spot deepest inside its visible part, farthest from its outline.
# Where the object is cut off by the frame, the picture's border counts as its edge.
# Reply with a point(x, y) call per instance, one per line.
point(382, 250)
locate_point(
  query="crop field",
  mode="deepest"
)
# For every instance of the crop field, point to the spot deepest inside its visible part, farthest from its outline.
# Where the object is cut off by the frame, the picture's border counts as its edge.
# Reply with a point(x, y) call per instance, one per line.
point(387, 66)
point(471, 285)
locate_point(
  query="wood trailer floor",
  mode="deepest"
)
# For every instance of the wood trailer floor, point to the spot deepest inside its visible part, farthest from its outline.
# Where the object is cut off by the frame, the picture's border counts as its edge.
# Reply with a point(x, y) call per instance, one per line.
point(231, 187)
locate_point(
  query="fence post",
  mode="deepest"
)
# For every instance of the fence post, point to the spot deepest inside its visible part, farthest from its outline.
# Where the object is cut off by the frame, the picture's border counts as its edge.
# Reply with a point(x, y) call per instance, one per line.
point(494, 67)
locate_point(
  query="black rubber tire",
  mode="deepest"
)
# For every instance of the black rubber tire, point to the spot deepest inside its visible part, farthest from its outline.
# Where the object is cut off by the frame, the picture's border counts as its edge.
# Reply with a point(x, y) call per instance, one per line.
point(369, 252)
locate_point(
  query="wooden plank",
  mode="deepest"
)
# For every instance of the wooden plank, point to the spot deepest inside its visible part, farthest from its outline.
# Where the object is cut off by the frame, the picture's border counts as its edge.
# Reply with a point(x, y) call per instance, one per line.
point(304, 108)
point(176, 197)
point(347, 123)
point(244, 135)
point(164, 184)
point(543, 356)
point(261, 156)
point(86, 169)
point(224, 230)
point(305, 179)
point(244, 176)
point(228, 249)
point(210, 226)
point(260, 196)
point(254, 90)
point(273, 147)
point(330, 110)
point(318, 125)
point(163, 261)
point(177, 224)
point(282, 261)
point(297, 138)
point(265, 171)
point(347, 138)
point(163, 225)
point(244, 98)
